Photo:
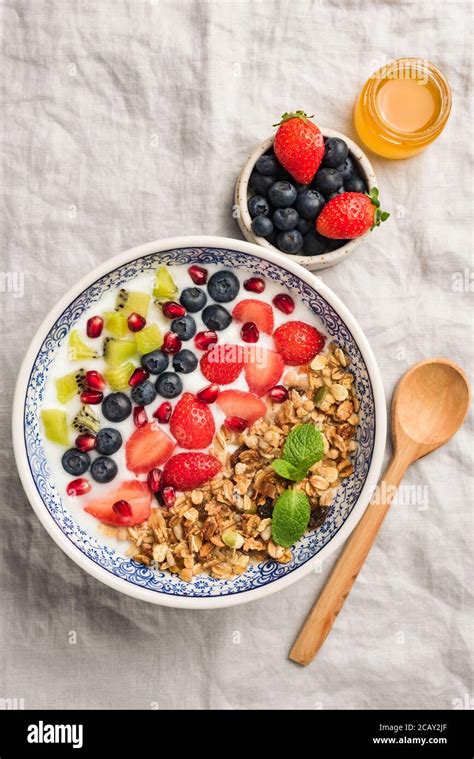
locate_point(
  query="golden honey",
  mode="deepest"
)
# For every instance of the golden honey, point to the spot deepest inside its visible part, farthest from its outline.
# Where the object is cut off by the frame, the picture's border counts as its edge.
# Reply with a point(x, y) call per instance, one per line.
point(402, 108)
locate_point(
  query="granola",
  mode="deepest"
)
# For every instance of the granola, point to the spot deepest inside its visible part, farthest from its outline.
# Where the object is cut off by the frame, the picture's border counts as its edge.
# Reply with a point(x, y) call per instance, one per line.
point(224, 525)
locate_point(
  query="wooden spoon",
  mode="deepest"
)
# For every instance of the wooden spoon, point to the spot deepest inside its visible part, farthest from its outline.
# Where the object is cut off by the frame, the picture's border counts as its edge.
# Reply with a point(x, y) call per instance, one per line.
point(428, 407)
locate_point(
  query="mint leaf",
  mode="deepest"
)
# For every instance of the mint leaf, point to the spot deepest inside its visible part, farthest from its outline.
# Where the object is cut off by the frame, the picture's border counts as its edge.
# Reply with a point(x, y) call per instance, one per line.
point(286, 470)
point(290, 517)
point(304, 447)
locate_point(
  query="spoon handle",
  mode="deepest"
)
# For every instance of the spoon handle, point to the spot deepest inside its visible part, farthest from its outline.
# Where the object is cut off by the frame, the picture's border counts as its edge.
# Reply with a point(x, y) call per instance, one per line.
point(320, 619)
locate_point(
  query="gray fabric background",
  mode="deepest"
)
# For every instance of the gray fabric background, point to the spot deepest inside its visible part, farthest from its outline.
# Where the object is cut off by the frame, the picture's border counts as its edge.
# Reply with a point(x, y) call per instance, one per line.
point(123, 122)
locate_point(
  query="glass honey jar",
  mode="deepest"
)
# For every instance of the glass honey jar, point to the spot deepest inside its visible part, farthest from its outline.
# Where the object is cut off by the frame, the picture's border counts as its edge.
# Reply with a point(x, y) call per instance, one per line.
point(402, 108)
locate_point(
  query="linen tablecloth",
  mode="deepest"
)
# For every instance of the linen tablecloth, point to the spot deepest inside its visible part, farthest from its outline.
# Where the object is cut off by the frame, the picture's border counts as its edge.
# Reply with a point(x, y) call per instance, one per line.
point(124, 122)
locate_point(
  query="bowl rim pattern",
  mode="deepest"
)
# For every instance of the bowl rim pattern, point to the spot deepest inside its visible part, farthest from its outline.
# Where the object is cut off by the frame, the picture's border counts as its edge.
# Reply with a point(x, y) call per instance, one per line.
point(120, 581)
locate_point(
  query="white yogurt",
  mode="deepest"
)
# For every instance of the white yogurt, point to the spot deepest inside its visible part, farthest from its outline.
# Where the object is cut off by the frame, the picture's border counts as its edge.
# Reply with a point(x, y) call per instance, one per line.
point(191, 382)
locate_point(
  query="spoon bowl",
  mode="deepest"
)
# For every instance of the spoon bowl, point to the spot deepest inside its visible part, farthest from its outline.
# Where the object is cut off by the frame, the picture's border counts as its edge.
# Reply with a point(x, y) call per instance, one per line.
point(429, 405)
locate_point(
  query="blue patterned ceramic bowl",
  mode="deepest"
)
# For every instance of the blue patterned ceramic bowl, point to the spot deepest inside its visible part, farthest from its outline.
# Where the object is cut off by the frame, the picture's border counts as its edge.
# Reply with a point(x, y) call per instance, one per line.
point(104, 562)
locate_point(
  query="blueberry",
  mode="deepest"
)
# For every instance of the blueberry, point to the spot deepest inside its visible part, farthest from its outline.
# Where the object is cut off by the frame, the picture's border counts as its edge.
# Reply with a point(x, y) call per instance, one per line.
point(290, 242)
point(282, 194)
point(260, 184)
point(76, 462)
point(304, 226)
point(285, 218)
point(301, 187)
point(334, 244)
point(108, 441)
point(155, 361)
point(314, 244)
point(309, 204)
point(184, 362)
point(335, 152)
point(258, 206)
point(267, 165)
point(116, 407)
point(347, 169)
point(144, 393)
point(335, 194)
point(103, 469)
point(169, 385)
point(327, 181)
point(184, 327)
point(216, 318)
point(193, 299)
point(223, 286)
point(355, 184)
point(262, 226)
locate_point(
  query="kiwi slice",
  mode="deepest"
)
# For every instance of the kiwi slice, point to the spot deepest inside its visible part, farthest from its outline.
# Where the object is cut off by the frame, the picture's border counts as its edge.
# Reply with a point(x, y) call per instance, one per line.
point(116, 352)
point(165, 287)
point(149, 339)
point(55, 425)
point(117, 377)
point(86, 421)
point(128, 302)
point(70, 385)
point(78, 349)
point(116, 323)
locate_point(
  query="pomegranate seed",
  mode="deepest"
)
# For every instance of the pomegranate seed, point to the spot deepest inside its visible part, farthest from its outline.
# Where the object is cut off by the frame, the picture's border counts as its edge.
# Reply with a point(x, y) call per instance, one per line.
point(171, 343)
point(198, 274)
point(92, 397)
point(78, 487)
point(278, 394)
point(208, 394)
point(236, 423)
point(173, 310)
point(136, 322)
point(138, 376)
point(203, 340)
point(284, 303)
point(139, 416)
point(123, 509)
point(163, 412)
point(249, 332)
point(95, 325)
point(154, 480)
point(255, 285)
point(85, 442)
point(167, 496)
point(95, 380)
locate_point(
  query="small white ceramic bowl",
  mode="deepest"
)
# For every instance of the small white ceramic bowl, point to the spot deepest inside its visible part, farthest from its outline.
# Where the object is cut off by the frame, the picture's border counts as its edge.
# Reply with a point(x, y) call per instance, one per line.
point(244, 219)
point(86, 545)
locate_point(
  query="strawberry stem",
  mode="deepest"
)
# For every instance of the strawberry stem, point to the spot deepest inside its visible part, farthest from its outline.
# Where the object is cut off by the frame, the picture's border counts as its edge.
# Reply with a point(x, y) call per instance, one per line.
point(379, 215)
point(293, 115)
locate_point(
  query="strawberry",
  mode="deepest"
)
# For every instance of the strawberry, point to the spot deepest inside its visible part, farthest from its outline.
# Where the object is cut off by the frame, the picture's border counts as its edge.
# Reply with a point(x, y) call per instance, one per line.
point(192, 423)
point(241, 404)
point(299, 146)
point(147, 447)
point(187, 471)
point(263, 369)
point(298, 342)
point(222, 364)
point(137, 496)
point(256, 311)
point(350, 214)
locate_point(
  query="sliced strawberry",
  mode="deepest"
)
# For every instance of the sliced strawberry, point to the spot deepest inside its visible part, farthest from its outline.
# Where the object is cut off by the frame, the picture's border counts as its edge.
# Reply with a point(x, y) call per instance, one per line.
point(192, 423)
point(256, 311)
point(222, 364)
point(135, 493)
point(242, 404)
point(148, 447)
point(187, 471)
point(263, 369)
point(298, 342)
